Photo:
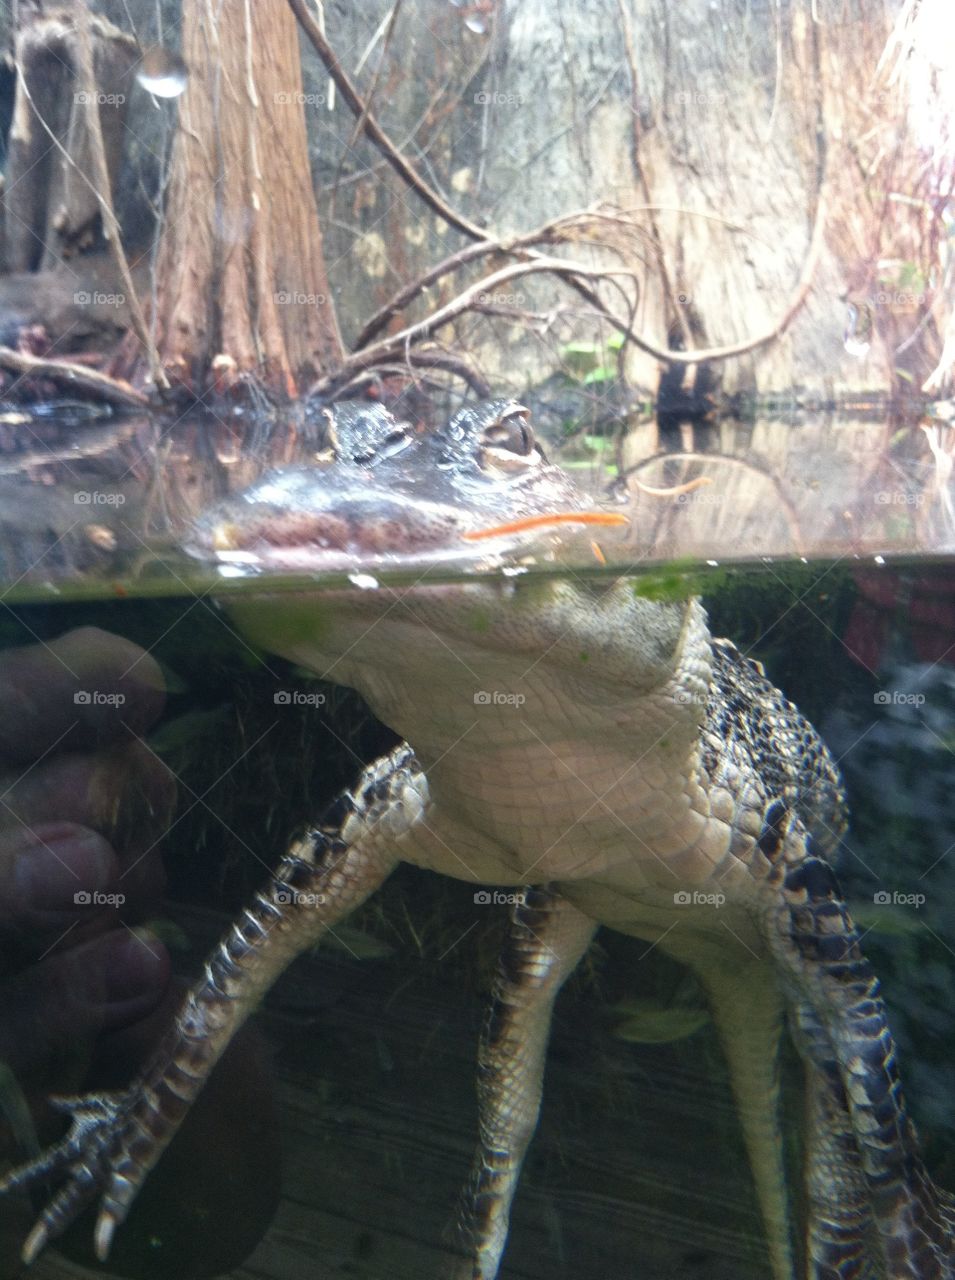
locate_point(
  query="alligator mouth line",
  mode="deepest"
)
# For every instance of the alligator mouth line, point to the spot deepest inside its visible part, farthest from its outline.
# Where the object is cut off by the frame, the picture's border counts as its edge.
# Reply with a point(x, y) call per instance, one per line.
point(545, 522)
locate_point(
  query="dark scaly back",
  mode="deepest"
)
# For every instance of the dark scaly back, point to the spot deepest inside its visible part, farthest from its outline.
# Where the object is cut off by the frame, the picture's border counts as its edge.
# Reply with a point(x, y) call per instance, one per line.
point(788, 759)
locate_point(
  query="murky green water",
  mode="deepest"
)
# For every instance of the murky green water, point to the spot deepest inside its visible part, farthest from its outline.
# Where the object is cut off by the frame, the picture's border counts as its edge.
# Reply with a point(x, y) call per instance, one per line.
point(371, 1087)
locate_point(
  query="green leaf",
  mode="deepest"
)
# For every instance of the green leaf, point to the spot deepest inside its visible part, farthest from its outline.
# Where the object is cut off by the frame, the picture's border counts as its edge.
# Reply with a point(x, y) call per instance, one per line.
point(603, 373)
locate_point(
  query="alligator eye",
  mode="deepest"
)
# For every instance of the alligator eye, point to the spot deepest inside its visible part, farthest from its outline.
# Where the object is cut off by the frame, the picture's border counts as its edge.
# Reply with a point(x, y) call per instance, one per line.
point(511, 432)
point(394, 442)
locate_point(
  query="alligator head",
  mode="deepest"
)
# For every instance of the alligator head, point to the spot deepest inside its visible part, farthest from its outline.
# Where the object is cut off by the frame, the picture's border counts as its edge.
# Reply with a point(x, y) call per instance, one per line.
point(379, 494)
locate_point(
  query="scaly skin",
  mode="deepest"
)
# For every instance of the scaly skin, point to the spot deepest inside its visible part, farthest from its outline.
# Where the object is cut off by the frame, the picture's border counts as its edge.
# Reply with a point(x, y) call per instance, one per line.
point(647, 770)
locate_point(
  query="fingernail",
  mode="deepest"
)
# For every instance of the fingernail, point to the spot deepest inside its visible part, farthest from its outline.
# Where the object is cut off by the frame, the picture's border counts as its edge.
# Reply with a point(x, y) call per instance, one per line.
point(58, 875)
point(135, 966)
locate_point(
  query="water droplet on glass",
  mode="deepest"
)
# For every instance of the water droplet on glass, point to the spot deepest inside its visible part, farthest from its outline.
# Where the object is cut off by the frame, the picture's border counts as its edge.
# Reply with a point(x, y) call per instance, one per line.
point(162, 72)
point(858, 330)
point(476, 23)
point(856, 348)
point(363, 581)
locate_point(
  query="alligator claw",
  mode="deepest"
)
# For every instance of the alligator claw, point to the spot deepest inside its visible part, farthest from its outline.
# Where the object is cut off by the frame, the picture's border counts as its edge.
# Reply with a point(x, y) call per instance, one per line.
point(85, 1161)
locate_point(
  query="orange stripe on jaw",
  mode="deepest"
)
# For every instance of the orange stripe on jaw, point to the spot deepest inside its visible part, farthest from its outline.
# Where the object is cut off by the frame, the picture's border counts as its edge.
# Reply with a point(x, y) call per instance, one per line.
point(546, 521)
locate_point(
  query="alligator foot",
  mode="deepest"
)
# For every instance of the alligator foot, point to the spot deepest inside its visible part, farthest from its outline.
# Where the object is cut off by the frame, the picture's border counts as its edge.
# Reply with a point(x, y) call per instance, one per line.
point(865, 1165)
point(89, 1158)
point(116, 1138)
point(546, 939)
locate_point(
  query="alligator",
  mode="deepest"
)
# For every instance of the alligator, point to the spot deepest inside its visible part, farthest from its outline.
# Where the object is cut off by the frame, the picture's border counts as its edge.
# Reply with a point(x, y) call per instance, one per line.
point(651, 779)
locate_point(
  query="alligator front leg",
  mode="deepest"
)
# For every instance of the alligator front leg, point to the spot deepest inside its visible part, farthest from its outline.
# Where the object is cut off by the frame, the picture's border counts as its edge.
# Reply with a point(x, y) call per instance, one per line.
point(546, 940)
point(817, 947)
point(116, 1138)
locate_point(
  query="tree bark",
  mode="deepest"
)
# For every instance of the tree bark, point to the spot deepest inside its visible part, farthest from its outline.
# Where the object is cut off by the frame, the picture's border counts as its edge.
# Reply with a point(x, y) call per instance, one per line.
point(242, 283)
point(50, 213)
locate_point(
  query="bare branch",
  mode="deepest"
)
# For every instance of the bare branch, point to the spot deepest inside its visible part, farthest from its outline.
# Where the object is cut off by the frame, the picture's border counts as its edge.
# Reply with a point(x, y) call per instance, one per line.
point(432, 357)
point(371, 127)
point(73, 377)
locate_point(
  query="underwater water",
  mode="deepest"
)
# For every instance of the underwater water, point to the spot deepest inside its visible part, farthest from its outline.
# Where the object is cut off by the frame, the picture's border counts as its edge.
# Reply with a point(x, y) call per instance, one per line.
point(336, 1134)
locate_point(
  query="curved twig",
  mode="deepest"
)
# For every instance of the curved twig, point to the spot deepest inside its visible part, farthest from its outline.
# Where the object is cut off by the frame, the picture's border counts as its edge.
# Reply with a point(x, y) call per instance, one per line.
point(746, 463)
point(73, 376)
point(336, 384)
point(399, 344)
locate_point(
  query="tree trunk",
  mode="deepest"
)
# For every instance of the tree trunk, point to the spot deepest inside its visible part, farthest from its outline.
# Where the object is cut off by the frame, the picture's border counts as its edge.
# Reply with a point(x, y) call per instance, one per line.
point(242, 285)
point(50, 212)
